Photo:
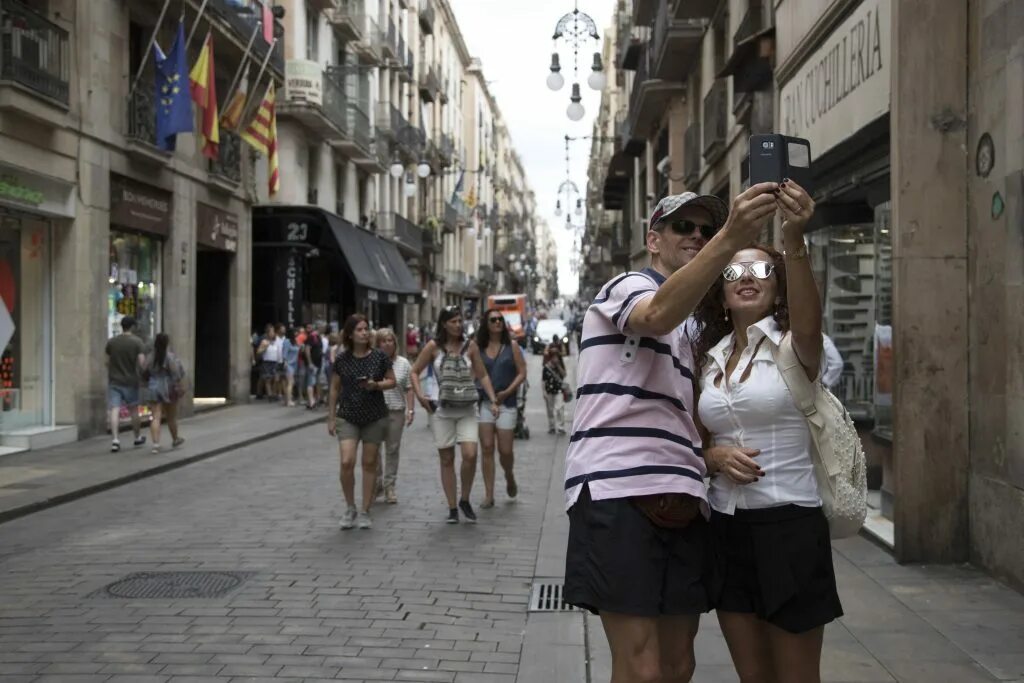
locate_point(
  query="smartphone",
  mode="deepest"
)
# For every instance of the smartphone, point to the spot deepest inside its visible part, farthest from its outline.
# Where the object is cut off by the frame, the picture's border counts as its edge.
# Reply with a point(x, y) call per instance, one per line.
point(775, 157)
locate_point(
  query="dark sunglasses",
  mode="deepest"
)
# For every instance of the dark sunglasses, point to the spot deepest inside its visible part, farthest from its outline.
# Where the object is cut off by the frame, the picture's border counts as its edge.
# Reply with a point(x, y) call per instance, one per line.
point(687, 228)
point(498, 319)
point(762, 270)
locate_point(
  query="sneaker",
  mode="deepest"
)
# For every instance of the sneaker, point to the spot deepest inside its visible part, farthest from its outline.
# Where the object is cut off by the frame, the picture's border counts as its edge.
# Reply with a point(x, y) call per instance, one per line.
point(177, 442)
point(511, 487)
point(453, 516)
point(551, 430)
point(139, 440)
point(561, 430)
point(364, 521)
point(487, 504)
point(467, 511)
point(115, 446)
point(348, 519)
point(389, 493)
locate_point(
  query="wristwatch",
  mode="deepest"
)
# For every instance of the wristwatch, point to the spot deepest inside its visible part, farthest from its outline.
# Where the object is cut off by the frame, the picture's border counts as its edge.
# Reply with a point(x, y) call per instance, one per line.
point(798, 253)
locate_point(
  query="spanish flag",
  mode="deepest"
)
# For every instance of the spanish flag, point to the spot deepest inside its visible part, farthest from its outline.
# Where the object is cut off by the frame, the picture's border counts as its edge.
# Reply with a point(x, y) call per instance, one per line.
point(231, 119)
point(204, 94)
point(261, 133)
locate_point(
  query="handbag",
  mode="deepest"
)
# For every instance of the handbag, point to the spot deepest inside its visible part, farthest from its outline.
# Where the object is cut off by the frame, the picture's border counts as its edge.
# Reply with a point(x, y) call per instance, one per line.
point(839, 464)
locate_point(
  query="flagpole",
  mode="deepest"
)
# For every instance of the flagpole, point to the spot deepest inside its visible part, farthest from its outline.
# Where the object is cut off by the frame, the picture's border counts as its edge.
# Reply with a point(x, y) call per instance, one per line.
point(195, 24)
point(241, 65)
point(256, 83)
point(149, 48)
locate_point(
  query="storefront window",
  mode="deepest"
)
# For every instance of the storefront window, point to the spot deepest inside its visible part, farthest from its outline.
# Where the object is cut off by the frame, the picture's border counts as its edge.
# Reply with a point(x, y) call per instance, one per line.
point(844, 258)
point(25, 292)
point(134, 283)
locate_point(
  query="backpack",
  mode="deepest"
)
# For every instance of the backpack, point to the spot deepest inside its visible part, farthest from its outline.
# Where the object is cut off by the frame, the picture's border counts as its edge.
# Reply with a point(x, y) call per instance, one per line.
point(839, 465)
point(316, 350)
point(456, 384)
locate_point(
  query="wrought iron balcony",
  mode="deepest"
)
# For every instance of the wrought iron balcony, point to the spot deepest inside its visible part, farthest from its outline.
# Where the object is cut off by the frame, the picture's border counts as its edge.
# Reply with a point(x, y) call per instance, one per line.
point(650, 96)
point(403, 232)
point(141, 124)
point(456, 281)
point(243, 21)
point(691, 155)
point(432, 232)
point(369, 47)
point(450, 217)
point(427, 14)
point(228, 164)
point(326, 116)
point(348, 19)
point(34, 52)
point(430, 85)
point(675, 44)
point(447, 150)
point(750, 64)
point(389, 40)
point(716, 122)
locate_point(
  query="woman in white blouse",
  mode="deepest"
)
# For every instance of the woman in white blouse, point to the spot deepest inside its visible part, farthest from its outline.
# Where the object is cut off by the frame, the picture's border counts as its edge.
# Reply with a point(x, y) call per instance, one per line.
point(774, 586)
point(401, 409)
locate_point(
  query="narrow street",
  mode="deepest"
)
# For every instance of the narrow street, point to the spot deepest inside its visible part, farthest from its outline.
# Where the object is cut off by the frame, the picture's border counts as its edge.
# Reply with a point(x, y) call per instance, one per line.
point(413, 599)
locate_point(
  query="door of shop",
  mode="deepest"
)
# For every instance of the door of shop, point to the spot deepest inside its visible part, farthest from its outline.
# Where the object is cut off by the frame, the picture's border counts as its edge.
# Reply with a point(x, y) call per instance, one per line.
point(213, 328)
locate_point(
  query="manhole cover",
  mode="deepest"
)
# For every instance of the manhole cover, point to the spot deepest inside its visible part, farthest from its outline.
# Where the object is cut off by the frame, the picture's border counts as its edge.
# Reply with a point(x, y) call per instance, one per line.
point(546, 596)
point(175, 585)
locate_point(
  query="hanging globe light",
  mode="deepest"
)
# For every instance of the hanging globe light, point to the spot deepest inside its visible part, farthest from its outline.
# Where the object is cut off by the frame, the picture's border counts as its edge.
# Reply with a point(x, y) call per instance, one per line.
point(597, 79)
point(410, 185)
point(396, 170)
point(575, 110)
point(579, 207)
point(558, 207)
point(423, 170)
point(555, 80)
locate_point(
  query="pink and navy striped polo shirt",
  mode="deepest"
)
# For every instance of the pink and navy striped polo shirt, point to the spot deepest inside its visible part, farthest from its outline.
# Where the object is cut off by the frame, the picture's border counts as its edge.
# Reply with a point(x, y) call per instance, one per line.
point(633, 433)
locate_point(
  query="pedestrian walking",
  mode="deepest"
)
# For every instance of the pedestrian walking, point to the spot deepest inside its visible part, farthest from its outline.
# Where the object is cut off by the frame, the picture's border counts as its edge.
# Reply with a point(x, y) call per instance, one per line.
point(313, 358)
point(506, 369)
point(553, 376)
point(357, 413)
point(401, 410)
point(412, 341)
point(125, 354)
point(774, 583)
point(456, 363)
point(270, 353)
point(638, 538)
point(165, 382)
point(290, 351)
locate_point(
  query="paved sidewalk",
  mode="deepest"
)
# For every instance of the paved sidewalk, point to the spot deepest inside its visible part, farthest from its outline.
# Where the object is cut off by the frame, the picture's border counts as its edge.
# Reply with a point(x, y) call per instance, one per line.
point(34, 480)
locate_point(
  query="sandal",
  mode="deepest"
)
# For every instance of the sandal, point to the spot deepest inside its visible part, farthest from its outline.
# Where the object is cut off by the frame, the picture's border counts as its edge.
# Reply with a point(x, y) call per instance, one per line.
point(155, 450)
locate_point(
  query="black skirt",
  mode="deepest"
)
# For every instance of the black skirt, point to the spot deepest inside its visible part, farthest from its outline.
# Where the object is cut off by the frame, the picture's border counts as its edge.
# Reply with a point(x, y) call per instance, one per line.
point(775, 563)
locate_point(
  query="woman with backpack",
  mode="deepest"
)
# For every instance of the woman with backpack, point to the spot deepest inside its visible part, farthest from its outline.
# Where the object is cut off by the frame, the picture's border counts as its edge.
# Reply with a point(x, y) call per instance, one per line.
point(507, 371)
point(774, 586)
point(165, 380)
point(455, 359)
point(361, 375)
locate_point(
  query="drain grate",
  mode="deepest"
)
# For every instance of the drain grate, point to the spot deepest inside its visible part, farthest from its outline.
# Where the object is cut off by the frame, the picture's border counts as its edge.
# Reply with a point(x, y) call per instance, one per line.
point(175, 585)
point(546, 596)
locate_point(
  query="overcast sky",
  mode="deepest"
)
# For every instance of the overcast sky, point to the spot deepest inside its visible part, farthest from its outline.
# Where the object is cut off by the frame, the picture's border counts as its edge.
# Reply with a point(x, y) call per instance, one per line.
point(513, 40)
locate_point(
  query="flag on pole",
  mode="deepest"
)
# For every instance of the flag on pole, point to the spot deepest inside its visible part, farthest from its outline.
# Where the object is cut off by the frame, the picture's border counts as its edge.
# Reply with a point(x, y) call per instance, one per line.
point(174, 110)
point(231, 119)
point(204, 94)
point(267, 20)
point(471, 198)
point(261, 133)
point(458, 186)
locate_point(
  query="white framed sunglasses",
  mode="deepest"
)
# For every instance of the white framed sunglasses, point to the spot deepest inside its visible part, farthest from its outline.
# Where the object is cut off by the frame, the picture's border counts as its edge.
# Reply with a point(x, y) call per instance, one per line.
point(762, 270)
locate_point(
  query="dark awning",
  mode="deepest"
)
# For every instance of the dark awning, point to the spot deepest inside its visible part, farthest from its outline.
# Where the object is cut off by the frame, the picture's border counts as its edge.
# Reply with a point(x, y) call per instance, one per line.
point(373, 262)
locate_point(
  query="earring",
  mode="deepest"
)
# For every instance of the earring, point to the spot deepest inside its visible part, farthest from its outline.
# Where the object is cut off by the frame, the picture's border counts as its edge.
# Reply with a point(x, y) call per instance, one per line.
point(726, 318)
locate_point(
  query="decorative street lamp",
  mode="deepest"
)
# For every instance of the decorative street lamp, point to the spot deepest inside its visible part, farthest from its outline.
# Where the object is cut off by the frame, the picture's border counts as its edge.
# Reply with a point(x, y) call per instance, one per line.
point(575, 29)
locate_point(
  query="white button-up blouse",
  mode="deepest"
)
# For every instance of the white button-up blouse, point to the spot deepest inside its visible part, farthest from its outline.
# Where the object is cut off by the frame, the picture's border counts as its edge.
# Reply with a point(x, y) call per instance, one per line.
point(757, 413)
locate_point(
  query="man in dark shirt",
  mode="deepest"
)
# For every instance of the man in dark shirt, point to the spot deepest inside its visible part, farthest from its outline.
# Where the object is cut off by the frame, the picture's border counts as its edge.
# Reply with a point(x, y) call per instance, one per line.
point(125, 354)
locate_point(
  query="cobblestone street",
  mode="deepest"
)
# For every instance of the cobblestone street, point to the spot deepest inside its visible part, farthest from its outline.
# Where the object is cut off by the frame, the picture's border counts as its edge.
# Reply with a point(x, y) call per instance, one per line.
point(413, 599)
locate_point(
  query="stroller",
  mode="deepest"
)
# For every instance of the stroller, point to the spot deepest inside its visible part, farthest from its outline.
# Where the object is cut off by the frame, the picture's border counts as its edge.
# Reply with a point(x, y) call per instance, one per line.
point(521, 430)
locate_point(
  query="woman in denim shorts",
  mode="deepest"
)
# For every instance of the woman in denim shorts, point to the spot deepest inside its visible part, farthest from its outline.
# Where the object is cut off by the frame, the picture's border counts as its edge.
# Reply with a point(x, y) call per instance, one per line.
point(361, 375)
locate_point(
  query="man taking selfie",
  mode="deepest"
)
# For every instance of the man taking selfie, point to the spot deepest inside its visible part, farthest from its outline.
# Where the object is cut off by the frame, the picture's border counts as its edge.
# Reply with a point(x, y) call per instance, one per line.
point(635, 493)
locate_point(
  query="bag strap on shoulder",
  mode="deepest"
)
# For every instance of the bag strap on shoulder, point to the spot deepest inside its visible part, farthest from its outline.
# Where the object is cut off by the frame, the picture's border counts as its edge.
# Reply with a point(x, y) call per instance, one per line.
point(793, 374)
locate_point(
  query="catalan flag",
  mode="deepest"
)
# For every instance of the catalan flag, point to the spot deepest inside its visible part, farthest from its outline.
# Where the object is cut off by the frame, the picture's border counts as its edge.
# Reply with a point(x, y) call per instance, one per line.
point(231, 119)
point(261, 133)
point(204, 94)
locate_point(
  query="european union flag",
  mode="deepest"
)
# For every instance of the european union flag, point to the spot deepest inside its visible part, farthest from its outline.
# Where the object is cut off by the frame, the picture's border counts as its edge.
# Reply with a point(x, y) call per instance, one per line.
point(173, 102)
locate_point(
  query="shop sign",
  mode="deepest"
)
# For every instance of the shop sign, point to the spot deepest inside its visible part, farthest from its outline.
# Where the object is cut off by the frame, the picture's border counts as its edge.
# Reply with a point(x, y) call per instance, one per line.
point(371, 295)
point(25, 190)
point(844, 85)
point(303, 82)
point(216, 228)
point(392, 298)
point(291, 287)
point(140, 207)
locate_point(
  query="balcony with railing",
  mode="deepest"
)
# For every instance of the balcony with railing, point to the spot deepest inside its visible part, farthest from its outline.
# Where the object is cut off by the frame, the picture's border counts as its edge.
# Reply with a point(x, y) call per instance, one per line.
point(403, 232)
point(430, 85)
point(432, 236)
point(348, 19)
point(368, 47)
point(694, 9)
point(447, 150)
point(715, 121)
point(140, 129)
point(316, 100)
point(449, 217)
point(226, 169)
point(243, 22)
point(675, 44)
point(650, 96)
point(34, 55)
point(456, 281)
point(630, 39)
point(389, 40)
point(426, 16)
point(691, 155)
point(750, 61)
